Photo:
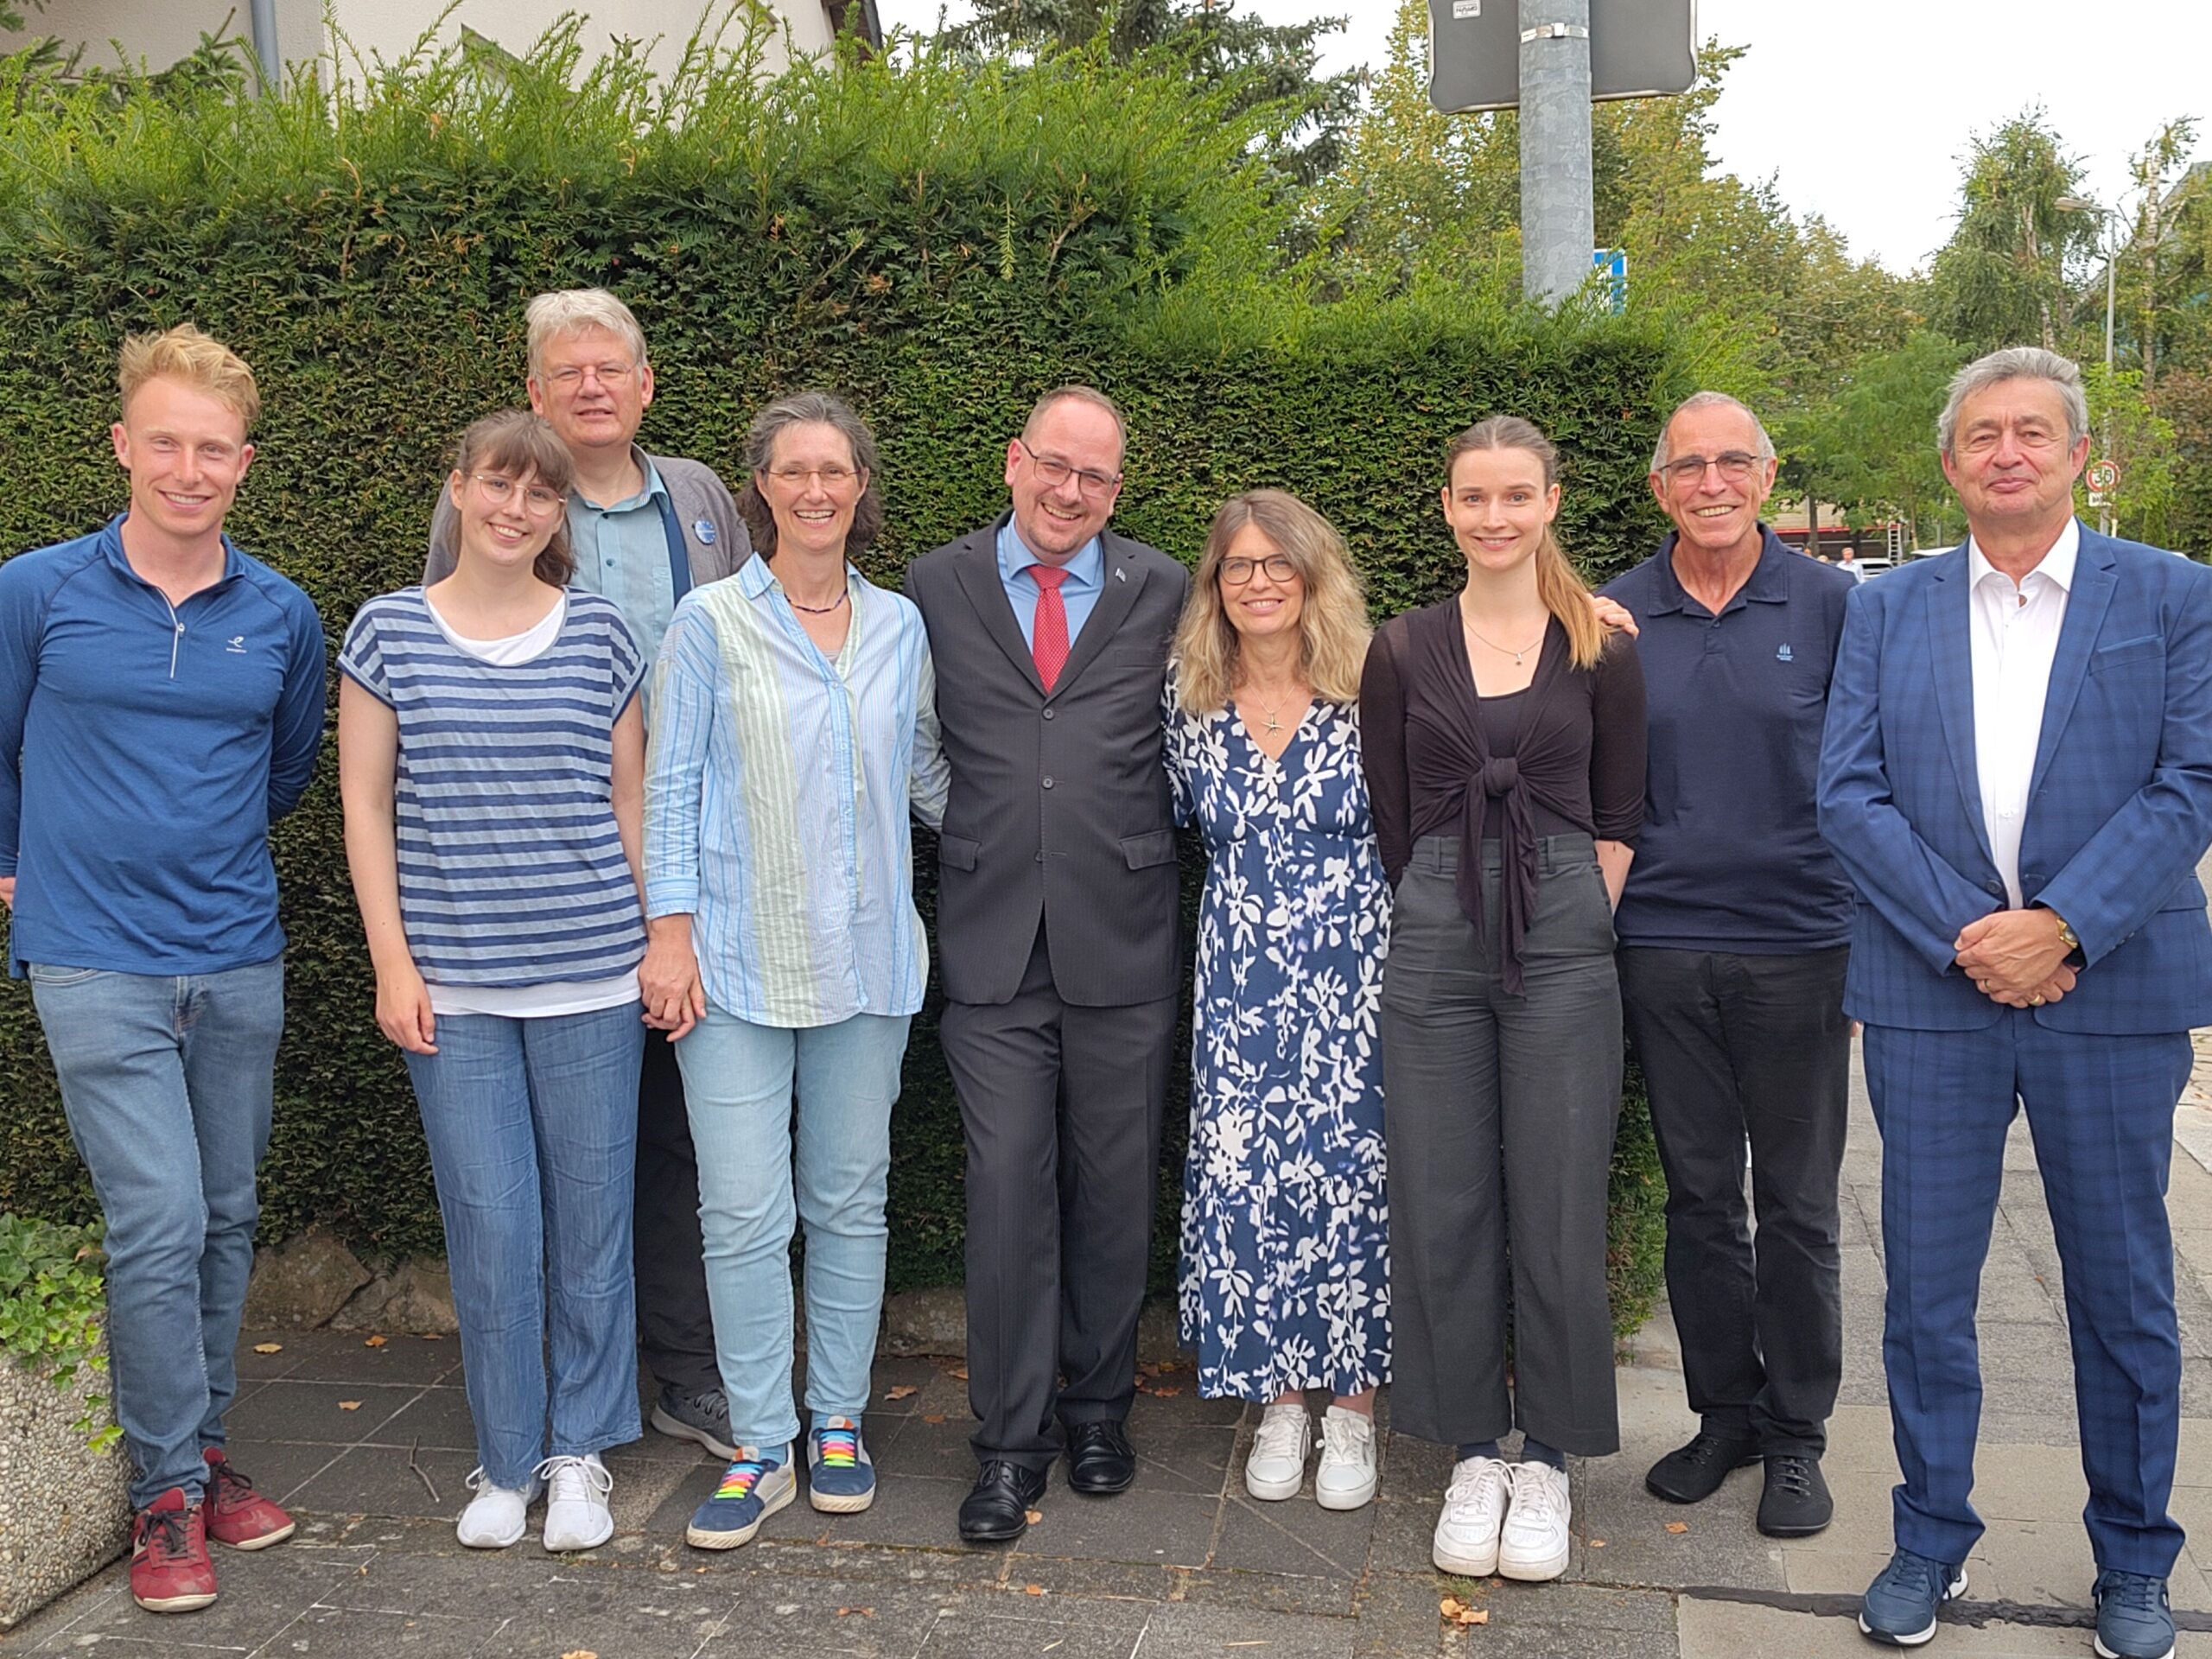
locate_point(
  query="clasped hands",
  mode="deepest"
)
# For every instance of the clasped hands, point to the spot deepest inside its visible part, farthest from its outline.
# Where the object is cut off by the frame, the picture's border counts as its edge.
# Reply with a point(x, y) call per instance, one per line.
point(2015, 958)
point(668, 979)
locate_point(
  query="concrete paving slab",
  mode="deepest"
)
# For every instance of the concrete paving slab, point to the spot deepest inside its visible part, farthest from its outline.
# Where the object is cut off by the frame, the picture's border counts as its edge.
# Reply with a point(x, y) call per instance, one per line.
point(1296, 1535)
point(1713, 1630)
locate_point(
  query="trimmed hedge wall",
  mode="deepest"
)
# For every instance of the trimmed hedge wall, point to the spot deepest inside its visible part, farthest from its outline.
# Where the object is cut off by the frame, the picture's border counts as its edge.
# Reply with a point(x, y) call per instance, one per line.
point(936, 245)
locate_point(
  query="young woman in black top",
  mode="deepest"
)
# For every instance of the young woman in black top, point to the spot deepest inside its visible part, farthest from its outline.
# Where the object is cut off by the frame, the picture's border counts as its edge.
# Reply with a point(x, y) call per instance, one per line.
point(1505, 753)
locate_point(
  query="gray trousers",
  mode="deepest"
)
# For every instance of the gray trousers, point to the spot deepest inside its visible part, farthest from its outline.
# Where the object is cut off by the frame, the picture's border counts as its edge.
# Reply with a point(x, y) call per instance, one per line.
point(1061, 1105)
point(1499, 1113)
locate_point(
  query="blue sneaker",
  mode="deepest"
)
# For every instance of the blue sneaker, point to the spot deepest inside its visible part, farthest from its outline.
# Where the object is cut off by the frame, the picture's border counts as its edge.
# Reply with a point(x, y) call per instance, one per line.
point(752, 1489)
point(1899, 1607)
point(2133, 1618)
point(840, 1476)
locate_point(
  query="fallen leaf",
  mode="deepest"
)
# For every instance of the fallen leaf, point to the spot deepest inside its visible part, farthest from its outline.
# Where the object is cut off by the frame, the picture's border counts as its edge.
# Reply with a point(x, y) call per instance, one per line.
point(349, 1405)
point(904, 1391)
point(267, 1347)
point(1456, 1611)
point(376, 1342)
point(1032, 1589)
point(580, 1653)
point(958, 1373)
point(1033, 1516)
point(1678, 1526)
point(1475, 1616)
point(865, 1612)
point(1450, 1606)
point(933, 1417)
point(1167, 1393)
point(1597, 1543)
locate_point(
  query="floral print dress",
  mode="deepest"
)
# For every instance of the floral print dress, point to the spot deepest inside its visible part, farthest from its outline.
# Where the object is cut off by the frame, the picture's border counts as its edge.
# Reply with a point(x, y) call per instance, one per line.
point(1285, 1280)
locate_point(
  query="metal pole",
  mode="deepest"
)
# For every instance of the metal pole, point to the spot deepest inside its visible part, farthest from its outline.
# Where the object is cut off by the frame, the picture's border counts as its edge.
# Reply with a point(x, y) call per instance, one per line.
point(263, 18)
point(1558, 216)
point(2112, 268)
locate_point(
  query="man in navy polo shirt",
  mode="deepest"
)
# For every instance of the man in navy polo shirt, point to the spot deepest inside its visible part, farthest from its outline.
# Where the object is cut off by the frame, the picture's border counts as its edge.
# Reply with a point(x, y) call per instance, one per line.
point(161, 702)
point(1734, 931)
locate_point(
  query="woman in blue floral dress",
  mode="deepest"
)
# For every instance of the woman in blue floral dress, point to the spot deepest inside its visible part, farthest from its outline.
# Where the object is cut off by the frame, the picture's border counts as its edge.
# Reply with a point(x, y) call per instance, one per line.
point(1285, 1278)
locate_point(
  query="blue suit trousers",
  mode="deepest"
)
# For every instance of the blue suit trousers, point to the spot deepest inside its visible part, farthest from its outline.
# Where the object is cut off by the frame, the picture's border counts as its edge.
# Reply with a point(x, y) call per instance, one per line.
point(2101, 1110)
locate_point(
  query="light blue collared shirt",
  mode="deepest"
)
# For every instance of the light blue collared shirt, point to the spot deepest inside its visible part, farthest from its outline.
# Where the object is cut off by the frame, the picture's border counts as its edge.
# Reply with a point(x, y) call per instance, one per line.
point(622, 555)
point(1078, 593)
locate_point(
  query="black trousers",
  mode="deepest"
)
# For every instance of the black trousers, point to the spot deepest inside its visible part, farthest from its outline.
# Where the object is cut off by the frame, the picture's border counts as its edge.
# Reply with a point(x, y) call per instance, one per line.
point(1061, 1107)
point(1750, 1051)
point(676, 1331)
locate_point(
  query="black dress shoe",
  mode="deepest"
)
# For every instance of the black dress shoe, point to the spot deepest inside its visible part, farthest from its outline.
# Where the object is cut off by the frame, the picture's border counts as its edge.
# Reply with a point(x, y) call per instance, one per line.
point(997, 1511)
point(1795, 1503)
point(1100, 1459)
point(1692, 1473)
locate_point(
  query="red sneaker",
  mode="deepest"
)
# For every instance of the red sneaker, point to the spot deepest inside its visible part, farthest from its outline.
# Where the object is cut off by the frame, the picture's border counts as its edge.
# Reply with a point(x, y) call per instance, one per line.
point(236, 1514)
point(169, 1569)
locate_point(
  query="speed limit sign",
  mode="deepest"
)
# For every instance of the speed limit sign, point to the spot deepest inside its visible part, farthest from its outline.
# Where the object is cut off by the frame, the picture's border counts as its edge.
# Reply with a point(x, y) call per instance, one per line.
point(2104, 476)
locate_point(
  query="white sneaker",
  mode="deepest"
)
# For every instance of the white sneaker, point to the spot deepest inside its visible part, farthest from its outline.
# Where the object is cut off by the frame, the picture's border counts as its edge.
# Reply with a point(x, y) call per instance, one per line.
point(493, 1518)
point(1346, 1479)
point(1533, 1545)
point(576, 1516)
point(1474, 1509)
point(1276, 1468)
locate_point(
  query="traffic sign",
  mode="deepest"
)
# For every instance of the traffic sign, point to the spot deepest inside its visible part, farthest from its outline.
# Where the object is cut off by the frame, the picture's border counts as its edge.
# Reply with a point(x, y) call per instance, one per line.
point(2104, 476)
point(1638, 49)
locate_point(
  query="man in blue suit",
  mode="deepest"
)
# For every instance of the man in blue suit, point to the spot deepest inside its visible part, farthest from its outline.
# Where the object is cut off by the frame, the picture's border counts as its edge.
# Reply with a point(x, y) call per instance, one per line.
point(2017, 776)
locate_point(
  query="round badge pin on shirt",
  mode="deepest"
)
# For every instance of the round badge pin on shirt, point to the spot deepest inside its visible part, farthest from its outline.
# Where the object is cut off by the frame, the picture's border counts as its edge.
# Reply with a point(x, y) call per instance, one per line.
point(704, 530)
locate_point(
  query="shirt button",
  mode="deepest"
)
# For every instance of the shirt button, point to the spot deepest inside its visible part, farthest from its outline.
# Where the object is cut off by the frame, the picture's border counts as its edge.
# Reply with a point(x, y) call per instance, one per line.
point(1049, 712)
point(2007, 812)
point(1048, 783)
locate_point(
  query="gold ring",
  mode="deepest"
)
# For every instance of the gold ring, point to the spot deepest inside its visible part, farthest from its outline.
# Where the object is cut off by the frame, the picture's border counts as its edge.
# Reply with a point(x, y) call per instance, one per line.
point(2035, 1002)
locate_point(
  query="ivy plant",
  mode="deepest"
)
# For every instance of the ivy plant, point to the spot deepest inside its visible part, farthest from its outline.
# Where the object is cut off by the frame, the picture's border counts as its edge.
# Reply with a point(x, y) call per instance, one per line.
point(52, 1295)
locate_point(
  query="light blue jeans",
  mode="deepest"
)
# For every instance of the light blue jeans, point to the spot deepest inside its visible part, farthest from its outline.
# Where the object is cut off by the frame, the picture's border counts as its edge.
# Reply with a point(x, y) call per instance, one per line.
point(166, 1082)
point(533, 1132)
point(738, 1079)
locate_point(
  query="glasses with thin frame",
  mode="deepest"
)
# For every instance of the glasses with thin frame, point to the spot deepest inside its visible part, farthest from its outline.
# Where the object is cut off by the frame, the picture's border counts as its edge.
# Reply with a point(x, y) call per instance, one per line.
point(542, 502)
point(1235, 573)
point(1734, 465)
point(797, 478)
point(571, 375)
point(1052, 474)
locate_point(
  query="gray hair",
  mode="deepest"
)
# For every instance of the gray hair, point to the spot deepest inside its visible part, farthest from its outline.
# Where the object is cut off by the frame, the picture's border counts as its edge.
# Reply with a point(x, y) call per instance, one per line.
point(1077, 394)
point(2017, 363)
point(808, 409)
point(1697, 400)
point(572, 310)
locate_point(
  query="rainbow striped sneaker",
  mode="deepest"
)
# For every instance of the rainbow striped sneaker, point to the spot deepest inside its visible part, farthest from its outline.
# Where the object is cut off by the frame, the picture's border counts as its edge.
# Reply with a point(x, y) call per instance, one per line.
point(753, 1488)
point(840, 1477)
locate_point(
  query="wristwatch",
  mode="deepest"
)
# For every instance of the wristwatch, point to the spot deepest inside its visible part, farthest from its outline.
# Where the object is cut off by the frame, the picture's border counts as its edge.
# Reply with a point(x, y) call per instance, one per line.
point(2067, 937)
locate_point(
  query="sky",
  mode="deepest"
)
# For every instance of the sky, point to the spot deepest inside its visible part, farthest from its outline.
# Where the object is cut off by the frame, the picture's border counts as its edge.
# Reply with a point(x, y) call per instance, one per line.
point(1861, 112)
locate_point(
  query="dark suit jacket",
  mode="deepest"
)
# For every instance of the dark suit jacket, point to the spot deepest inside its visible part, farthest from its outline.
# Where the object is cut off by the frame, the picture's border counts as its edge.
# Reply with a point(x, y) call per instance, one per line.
point(2118, 810)
point(1059, 807)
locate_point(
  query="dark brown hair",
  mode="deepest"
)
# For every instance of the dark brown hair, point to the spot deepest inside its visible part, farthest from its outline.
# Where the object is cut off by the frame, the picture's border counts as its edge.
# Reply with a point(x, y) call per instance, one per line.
point(516, 444)
point(808, 409)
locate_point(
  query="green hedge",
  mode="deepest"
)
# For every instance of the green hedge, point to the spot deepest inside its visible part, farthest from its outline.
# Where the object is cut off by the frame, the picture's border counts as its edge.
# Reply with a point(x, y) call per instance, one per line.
point(938, 245)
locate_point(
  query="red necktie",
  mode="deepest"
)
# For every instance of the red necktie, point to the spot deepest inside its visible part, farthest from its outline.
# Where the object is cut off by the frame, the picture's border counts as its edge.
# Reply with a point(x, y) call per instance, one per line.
point(1048, 634)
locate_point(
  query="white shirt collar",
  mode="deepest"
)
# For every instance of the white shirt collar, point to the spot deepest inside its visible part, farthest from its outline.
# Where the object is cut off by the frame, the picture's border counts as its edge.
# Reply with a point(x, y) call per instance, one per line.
point(2057, 564)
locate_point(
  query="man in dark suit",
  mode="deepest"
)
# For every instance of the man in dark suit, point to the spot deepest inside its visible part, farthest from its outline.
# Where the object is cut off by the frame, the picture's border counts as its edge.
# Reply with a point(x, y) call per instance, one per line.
point(2017, 775)
point(1055, 929)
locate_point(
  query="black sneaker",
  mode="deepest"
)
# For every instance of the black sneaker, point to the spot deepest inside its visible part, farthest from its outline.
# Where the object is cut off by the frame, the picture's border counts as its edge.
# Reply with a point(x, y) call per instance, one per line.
point(703, 1417)
point(1692, 1473)
point(1795, 1503)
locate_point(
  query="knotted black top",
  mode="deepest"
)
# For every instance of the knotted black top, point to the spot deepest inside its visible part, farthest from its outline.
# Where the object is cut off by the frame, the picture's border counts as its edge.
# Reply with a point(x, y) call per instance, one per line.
point(1578, 763)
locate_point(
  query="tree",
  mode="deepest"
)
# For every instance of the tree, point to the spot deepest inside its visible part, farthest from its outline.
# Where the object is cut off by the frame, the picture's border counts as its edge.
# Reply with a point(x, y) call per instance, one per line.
point(1272, 66)
point(2154, 167)
point(1871, 443)
point(2132, 434)
point(2003, 278)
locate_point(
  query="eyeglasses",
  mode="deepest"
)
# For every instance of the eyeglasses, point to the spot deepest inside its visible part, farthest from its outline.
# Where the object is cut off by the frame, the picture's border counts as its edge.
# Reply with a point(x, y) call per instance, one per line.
point(1053, 473)
point(1735, 466)
point(538, 498)
point(797, 478)
point(608, 374)
point(1235, 573)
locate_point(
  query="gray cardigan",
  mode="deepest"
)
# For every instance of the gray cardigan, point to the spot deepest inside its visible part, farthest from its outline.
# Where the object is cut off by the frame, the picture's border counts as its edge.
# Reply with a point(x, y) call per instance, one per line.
point(697, 494)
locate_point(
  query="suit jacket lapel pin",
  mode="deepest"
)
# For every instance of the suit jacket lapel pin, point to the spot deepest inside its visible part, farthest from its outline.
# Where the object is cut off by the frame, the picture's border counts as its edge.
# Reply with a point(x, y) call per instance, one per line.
point(1119, 574)
point(704, 530)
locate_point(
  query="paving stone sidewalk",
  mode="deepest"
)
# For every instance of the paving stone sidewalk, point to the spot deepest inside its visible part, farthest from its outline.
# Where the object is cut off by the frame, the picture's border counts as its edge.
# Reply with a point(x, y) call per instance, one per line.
point(369, 1445)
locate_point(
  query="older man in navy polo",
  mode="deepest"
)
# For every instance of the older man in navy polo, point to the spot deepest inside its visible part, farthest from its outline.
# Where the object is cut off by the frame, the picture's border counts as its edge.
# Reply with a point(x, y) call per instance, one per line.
point(1734, 931)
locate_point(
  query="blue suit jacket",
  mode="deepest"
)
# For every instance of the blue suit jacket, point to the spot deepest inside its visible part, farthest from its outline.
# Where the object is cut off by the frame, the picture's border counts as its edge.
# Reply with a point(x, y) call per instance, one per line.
point(2120, 807)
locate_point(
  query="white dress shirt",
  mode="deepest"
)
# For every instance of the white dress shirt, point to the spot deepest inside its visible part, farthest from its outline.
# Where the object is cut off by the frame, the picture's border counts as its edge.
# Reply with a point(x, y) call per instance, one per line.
point(2015, 636)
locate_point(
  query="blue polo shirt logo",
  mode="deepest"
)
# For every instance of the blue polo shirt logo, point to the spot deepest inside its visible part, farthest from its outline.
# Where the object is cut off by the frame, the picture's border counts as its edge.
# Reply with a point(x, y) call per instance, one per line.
point(1782, 654)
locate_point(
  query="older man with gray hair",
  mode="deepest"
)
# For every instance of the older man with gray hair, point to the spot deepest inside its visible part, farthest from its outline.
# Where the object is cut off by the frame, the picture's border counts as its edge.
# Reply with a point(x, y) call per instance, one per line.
point(2017, 776)
point(647, 529)
point(1734, 929)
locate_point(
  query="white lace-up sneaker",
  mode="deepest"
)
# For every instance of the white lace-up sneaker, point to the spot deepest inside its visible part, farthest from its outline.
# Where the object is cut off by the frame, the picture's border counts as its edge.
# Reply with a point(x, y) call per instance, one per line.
point(1276, 1468)
point(1533, 1545)
point(1346, 1479)
point(493, 1518)
point(576, 1516)
point(1474, 1509)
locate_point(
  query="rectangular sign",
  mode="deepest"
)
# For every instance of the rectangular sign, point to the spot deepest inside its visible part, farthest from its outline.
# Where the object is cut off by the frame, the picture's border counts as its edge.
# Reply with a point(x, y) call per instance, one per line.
point(1638, 49)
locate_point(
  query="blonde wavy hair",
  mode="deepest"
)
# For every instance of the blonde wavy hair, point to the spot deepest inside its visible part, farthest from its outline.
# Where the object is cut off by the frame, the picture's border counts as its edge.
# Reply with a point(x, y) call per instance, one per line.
point(1332, 623)
point(195, 359)
point(1557, 585)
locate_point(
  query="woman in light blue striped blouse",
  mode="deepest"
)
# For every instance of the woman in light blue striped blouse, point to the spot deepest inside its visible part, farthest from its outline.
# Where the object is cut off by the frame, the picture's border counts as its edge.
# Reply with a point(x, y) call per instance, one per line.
point(794, 730)
point(492, 758)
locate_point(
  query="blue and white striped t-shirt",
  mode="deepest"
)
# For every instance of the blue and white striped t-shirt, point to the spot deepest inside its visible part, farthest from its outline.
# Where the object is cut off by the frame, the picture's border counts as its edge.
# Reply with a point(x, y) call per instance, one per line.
point(510, 866)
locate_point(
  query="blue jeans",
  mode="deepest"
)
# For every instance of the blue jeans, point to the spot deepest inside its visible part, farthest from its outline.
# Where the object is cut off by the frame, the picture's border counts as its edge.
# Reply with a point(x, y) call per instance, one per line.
point(738, 1079)
point(166, 1082)
point(533, 1132)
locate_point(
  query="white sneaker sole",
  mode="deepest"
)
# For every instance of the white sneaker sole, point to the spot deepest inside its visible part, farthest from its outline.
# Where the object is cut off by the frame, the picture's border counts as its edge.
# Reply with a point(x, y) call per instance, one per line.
point(569, 1545)
point(1467, 1566)
point(1539, 1570)
point(2104, 1652)
point(1346, 1497)
point(676, 1429)
point(698, 1540)
point(1273, 1491)
point(1921, 1638)
point(840, 1503)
